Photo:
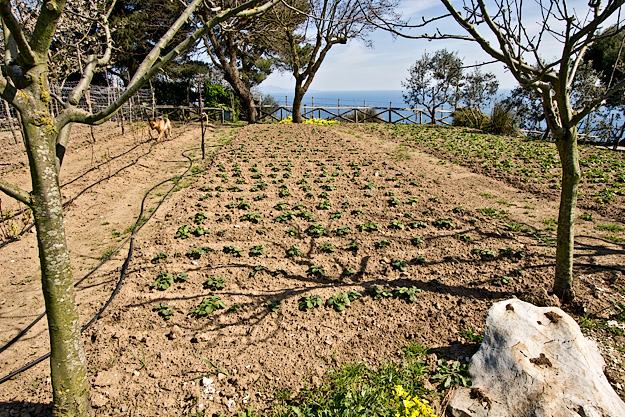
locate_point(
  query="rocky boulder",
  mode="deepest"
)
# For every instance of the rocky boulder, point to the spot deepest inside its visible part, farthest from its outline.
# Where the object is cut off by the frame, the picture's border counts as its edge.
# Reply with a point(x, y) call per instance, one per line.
point(534, 361)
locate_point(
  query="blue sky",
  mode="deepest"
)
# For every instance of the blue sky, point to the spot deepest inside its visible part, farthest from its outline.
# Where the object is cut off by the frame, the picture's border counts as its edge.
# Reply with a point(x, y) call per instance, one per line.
point(384, 66)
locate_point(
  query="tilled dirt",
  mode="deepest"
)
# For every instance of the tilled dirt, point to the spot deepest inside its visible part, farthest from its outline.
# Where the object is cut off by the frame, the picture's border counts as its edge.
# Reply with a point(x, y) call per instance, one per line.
point(355, 214)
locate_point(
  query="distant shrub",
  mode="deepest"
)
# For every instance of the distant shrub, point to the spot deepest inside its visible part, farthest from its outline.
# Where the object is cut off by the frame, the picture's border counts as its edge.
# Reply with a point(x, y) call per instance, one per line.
point(468, 117)
point(367, 115)
point(503, 121)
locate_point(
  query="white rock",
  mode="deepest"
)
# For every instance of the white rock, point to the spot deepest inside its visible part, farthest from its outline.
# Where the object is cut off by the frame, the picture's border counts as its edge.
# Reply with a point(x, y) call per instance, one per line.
point(535, 362)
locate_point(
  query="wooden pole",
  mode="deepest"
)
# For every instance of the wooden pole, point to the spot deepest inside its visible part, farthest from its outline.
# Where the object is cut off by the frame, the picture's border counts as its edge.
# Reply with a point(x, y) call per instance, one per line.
point(390, 105)
point(202, 118)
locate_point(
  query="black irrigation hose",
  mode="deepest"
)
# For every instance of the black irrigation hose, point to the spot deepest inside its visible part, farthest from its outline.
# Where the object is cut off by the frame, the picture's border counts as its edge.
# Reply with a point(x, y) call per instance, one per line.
point(122, 274)
point(136, 160)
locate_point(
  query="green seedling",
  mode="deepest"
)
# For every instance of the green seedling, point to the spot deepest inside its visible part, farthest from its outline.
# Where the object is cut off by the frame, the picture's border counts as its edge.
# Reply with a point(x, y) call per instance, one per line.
point(285, 217)
point(309, 217)
point(416, 241)
point(233, 250)
point(182, 232)
point(324, 205)
point(199, 218)
point(484, 253)
point(284, 193)
point(326, 247)
point(316, 230)
point(293, 251)
point(380, 244)
point(159, 256)
point(165, 280)
point(396, 225)
point(442, 223)
point(407, 293)
point(512, 253)
point(207, 306)
point(197, 252)
point(399, 264)
point(336, 215)
point(257, 250)
point(316, 271)
point(501, 281)
point(454, 374)
point(368, 227)
point(471, 336)
point(281, 206)
point(251, 217)
point(214, 283)
point(292, 232)
point(353, 247)
point(343, 230)
point(200, 231)
point(244, 205)
point(340, 302)
point(418, 260)
point(164, 311)
point(308, 302)
point(273, 306)
point(376, 292)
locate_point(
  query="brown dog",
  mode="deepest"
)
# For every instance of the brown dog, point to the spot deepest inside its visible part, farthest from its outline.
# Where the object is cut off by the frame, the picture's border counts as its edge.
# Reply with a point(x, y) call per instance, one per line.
point(162, 126)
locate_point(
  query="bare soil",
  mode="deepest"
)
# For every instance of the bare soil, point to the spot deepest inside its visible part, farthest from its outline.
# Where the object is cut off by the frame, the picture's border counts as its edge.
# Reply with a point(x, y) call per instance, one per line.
point(482, 241)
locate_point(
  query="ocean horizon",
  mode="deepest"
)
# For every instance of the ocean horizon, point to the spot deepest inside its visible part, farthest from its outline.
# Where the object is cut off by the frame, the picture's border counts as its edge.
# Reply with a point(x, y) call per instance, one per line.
point(356, 98)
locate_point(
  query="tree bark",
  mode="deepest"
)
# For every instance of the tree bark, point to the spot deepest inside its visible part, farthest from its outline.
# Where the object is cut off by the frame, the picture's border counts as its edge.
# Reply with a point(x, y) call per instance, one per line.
point(297, 103)
point(70, 387)
point(566, 142)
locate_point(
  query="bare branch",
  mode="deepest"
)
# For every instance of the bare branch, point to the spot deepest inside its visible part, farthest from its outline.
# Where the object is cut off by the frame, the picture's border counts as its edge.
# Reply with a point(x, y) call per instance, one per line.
point(17, 34)
point(154, 63)
point(15, 192)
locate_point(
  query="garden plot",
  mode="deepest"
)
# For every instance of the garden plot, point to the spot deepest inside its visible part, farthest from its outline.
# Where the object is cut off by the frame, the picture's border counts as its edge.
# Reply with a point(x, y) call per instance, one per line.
point(304, 247)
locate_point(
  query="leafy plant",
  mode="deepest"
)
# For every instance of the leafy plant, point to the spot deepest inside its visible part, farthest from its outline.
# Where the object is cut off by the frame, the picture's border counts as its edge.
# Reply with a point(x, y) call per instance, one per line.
point(164, 311)
point(416, 241)
point(454, 374)
point(199, 218)
point(341, 301)
point(309, 301)
point(273, 306)
point(324, 205)
point(285, 217)
point(233, 250)
point(165, 280)
point(368, 227)
point(399, 264)
point(326, 247)
point(158, 257)
point(377, 292)
point(182, 232)
point(197, 252)
point(442, 223)
point(316, 230)
point(382, 244)
point(407, 293)
point(251, 217)
point(353, 247)
point(316, 271)
point(215, 283)
point(257, 250)
point(396, 225)
point(293, 251)
point(281, 206)
point(343, 230)
point(471, 336)
point(207, 306)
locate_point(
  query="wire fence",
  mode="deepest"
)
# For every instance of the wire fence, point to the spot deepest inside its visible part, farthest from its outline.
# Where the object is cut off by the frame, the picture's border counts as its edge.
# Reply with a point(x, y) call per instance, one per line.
point(95, 99)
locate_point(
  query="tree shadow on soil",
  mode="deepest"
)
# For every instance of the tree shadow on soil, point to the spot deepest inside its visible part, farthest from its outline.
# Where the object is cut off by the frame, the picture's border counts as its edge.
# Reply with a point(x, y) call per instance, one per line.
point(26, 409)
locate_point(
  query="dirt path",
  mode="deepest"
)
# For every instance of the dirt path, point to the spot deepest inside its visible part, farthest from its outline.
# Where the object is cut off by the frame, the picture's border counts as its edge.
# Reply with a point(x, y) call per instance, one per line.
point(462, 241)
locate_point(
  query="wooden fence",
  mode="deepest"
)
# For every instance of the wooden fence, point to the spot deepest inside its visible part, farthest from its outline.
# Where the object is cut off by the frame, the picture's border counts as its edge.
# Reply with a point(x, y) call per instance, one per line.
point(357, 114)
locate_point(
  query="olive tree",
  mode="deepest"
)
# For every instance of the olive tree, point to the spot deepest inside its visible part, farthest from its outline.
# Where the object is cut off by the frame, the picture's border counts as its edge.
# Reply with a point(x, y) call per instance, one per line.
point(24, 84)
point(302, 47)
point(434, 81)
point(542, 44)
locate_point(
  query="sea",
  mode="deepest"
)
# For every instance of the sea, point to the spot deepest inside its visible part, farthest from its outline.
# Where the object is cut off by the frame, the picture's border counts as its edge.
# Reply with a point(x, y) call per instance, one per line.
point(383, 99)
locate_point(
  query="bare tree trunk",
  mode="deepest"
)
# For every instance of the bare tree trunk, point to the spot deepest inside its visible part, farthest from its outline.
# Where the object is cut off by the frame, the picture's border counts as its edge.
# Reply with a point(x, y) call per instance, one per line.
point(566, 142)
point(297, 104)
point(70, 387)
